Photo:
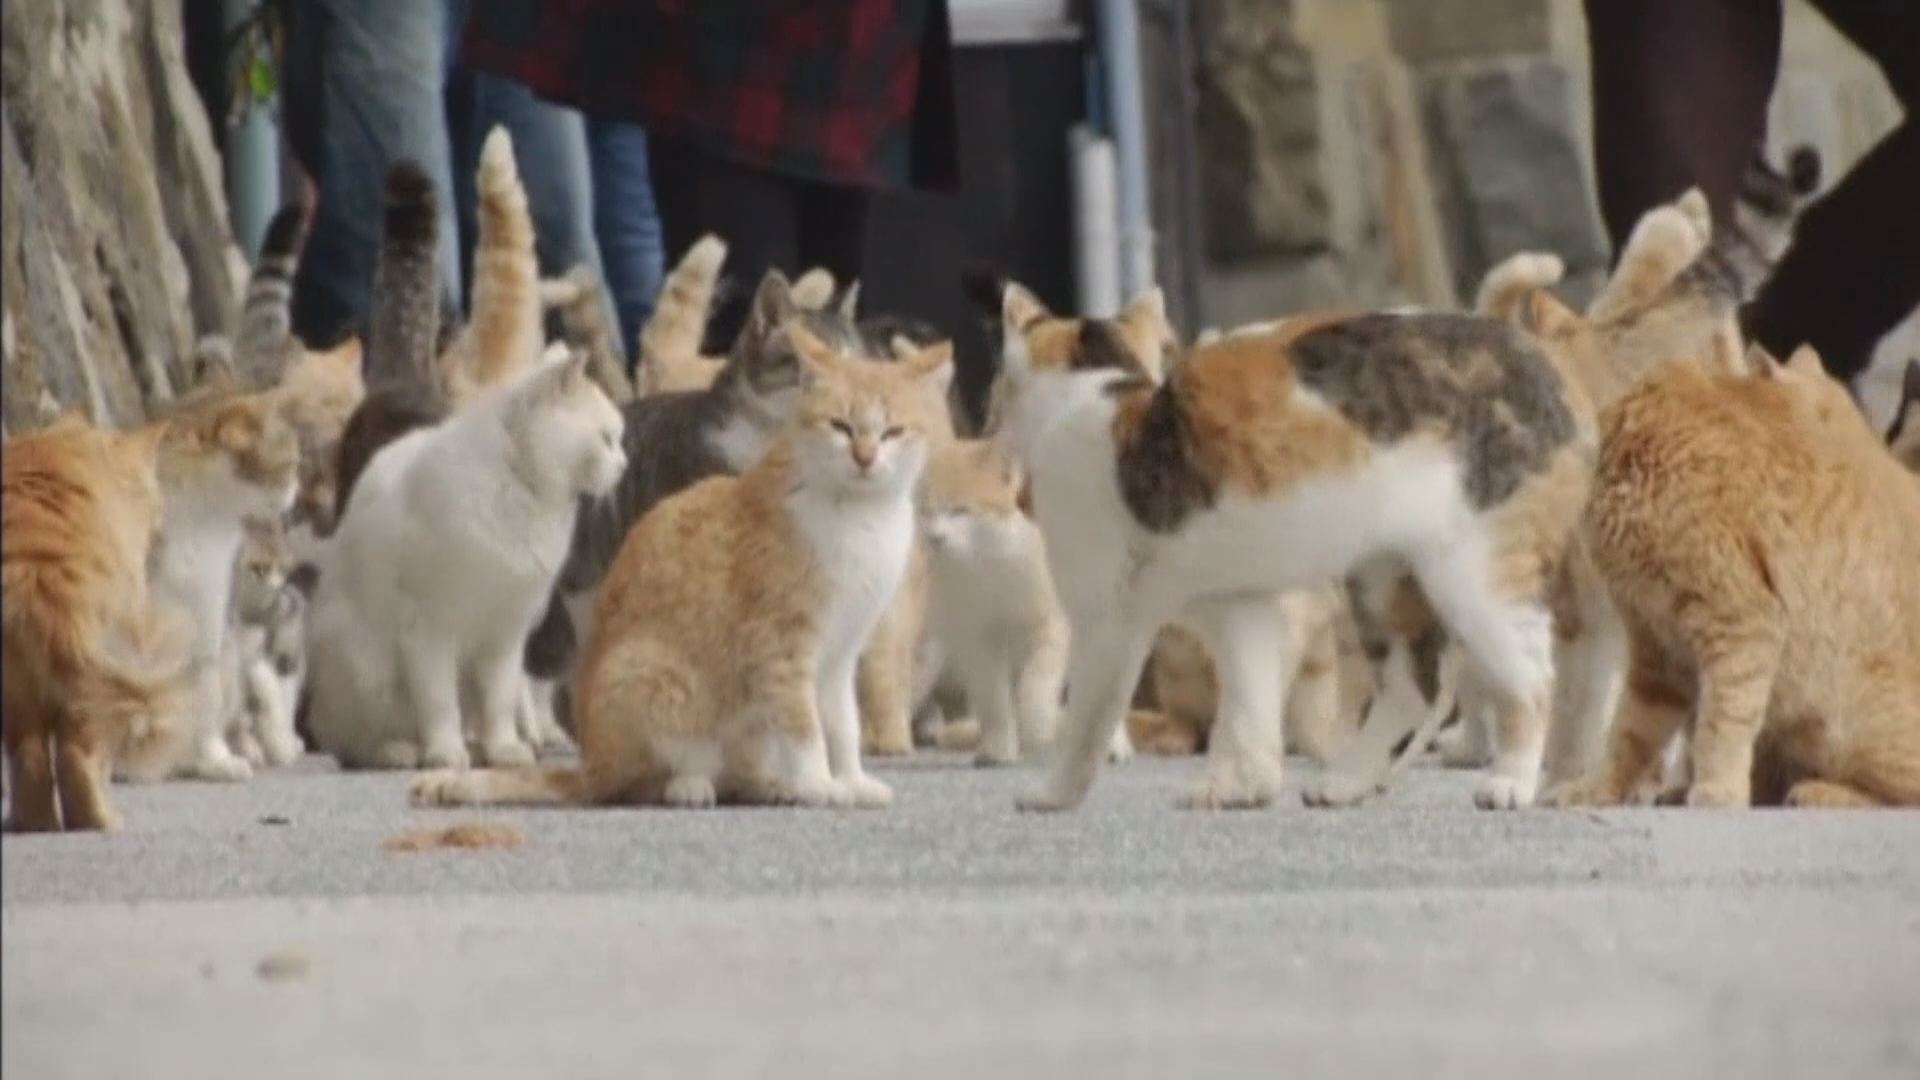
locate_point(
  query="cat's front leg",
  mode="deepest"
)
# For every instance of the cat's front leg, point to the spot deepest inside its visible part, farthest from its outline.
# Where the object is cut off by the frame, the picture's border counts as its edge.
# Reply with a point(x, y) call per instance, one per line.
point(795, 762)
point(500, 691)
point(212, 758)
point(1245, 635)
point(1040, 678)
point(272, 715)
point(1107, 653)
point(990, 699)
point(536, 720)
point(1364, 763)
point(431, 677)
point(840, 723)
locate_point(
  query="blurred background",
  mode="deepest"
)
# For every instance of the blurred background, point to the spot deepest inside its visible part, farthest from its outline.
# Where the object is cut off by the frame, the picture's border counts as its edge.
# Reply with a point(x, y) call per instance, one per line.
point(1292, 154)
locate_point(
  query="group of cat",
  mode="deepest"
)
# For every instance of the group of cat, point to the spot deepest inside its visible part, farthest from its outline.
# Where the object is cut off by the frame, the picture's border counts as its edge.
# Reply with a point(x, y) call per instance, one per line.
point(734, 577)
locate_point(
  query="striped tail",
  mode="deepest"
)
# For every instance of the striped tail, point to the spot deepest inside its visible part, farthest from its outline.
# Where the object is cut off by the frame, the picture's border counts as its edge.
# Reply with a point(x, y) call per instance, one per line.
point(266, 313)
point(406, 286)
point(505, 335)
point(679, 321)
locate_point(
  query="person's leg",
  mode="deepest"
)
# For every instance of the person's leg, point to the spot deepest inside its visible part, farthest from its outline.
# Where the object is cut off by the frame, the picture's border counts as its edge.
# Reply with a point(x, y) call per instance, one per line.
point(1853, 272)
point(369, 95)
point(626, 223)
point(1680, 96)
point(752, 210)
point(832, 230)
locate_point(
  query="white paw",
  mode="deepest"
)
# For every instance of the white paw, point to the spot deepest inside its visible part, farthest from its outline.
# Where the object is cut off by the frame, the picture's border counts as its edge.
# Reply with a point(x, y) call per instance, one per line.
point(1120, 747)
point(1233, 787)
point(553, 741)
point(867, 792)
point(995, 756)
point(284, 751)
point(399, 754)
point(508, 753)
point(219, 768)
point(1340, 788)
point(1498, 792)
point(1458, 750)
point(814, 792)
point(1048, 800)
point(446, 755)
point(690, 792)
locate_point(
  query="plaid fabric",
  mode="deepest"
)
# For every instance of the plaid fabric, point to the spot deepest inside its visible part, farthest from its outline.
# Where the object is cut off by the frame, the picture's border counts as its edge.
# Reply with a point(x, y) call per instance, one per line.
point(855, 92)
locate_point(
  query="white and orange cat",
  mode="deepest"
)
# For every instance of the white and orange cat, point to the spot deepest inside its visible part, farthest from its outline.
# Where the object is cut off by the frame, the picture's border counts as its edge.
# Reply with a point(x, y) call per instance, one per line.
point(720, 665)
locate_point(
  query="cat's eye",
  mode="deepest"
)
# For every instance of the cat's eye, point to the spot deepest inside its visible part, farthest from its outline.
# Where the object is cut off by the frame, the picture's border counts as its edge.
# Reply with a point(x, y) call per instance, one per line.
point(893, 432)
point(843, 428)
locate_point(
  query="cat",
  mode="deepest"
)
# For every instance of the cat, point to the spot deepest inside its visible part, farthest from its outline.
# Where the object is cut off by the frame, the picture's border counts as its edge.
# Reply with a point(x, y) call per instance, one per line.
point(670, 359)
point(720, 664)
point(96, 668)
point(222, 463)
point(581, 301)
point(992, 619)
point(1903, 435)
point(264, 344)
point(445, 558)
point(1763, 549)
point(319, 393)
point(505, 334)
point(265, 650)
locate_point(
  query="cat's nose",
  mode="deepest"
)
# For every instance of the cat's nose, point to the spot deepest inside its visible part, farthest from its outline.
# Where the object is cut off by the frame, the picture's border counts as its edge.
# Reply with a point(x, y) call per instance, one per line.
point(864, 452)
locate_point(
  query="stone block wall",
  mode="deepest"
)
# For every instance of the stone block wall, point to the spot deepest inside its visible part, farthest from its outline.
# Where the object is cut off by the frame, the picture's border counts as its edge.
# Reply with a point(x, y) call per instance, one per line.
point(1389, 151)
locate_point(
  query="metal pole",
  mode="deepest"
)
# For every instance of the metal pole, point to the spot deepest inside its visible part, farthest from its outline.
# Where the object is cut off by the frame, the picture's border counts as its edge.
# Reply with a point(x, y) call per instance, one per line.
point(1120, 58)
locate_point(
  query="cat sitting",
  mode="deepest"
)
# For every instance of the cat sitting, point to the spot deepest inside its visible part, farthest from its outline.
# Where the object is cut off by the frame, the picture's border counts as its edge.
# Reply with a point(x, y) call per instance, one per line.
point(443, 562)
point(1763, 549)
point(720, 664)
point(266, 653)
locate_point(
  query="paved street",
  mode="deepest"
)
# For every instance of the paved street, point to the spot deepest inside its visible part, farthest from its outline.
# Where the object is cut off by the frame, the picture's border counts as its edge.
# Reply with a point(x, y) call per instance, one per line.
point(262, 931)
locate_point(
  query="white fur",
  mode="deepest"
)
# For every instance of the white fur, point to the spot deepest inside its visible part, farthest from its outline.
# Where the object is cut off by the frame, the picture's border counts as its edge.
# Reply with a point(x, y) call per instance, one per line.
point(1120, 583)
point(994, 624)
point(445, 559)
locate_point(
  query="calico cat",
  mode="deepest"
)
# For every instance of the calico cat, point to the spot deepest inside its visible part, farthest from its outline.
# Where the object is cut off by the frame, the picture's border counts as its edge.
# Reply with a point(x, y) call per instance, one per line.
point(1763, 549)
point(720, 666)
point(96, 669)
point(221, 464)
point(446, 557)
point(1903, 435)
point(265, 651)
point(992, 619)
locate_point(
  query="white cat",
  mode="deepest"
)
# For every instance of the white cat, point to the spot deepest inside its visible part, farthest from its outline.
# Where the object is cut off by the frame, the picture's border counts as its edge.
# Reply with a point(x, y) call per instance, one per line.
point(993, 620)
point(445, 558)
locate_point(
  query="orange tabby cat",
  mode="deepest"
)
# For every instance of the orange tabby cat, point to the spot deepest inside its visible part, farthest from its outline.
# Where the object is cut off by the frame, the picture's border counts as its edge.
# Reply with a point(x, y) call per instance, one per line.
point(720, 665)
point(94, 671)
point(1763, 549)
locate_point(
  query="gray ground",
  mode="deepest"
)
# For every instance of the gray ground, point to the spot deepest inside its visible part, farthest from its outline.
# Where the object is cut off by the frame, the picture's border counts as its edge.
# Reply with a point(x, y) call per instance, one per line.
point(948, 937)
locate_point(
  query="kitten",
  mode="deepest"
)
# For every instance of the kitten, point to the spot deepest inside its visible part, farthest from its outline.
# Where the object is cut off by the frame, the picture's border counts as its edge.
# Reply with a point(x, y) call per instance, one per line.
point(720, 666)
point(1288, 460)
point(1903, 435)
point(444, 560)
point(221, 464)
point(265, 650)
point(992, 619)
point(1763, 549)
point(95, 668)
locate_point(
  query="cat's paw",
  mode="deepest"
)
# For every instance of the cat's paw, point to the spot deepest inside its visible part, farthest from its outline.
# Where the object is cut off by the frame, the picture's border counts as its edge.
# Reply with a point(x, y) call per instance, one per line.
point(225, 769)
point(1587, 791)
point(508, 753)
point(1340, 787)
point(248, 749)
point(444, 788)
point(992, 757)
point(1499, 792)
point(1234, 785)
point(690, 792)
point(398, 754)
point(446, 755)
point(1047, 800)
point(282, 752)
point(1459, 750)
point(1120, 747)
point(867, 792)
point(1722, 794)
point(887, 744)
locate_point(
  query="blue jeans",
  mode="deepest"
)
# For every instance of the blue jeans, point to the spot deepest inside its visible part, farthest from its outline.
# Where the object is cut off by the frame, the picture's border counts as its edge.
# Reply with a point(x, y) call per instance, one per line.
point(627, 224)
point(364, 86)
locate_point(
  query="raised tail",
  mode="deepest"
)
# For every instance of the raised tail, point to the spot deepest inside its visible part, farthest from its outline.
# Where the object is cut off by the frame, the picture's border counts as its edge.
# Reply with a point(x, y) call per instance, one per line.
point(406, 282)
point(504, 337)
point(582, 303)
point(536, 786)
point(266, 312)
point(1511, 281)
point(679, 321)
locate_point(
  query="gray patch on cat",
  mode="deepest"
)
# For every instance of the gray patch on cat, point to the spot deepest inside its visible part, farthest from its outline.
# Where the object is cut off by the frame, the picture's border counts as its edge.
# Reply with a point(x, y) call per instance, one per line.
point(1482, 385)
point(405, 320)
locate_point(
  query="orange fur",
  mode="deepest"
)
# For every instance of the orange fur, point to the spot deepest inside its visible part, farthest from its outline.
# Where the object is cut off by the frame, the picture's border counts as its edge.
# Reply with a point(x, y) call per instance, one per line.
point(504, 337)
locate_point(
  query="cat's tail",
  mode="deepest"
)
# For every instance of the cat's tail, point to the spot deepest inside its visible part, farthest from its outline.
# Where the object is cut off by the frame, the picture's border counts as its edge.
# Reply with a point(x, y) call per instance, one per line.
point(406, 282)
point(1510, 282)
point(266, 311)
point(679, 321)
point(504, 337)
point(581, 301)
point(537, 786)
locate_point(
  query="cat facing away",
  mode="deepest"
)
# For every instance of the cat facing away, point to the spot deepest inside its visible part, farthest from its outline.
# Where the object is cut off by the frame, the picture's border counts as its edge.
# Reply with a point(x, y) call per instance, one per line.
point(97, 673)
point(992, 621)
point(720, 665)
point(222, 464)
point(1763, 549)
point(437, 573)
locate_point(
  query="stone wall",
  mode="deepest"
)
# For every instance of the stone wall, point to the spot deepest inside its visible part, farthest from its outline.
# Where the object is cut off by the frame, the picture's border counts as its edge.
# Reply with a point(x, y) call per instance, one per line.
point(1389, 151)
point(114, 233)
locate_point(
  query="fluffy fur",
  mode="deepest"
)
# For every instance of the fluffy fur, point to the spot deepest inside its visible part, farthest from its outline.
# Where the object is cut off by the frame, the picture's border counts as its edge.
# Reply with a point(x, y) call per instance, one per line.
point(994, 624)
point(721, 662)
point(504, 337)
point(94, 669)
point(1763, 549)
point(446, 557)
point(670, 359)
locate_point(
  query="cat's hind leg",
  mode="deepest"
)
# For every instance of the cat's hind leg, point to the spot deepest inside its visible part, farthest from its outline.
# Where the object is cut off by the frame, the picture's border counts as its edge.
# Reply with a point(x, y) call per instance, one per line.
point(273, 715)
point(1312, 721)
point(1882, 758)
point(1737, 662)
point(1107, 651)
point(536, 719)
point(1247, 635)
point(1396, 710)
point(1589, 656)
point(499, 685)
point(990, 700)
point(1654, 706)
point(1038, 680)
point(84, 769)
point(33, 805)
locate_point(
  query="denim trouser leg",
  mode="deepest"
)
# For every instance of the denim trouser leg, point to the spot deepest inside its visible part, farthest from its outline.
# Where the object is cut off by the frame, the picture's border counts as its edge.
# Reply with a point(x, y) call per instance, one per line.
point(626, 223)
point(371, 85)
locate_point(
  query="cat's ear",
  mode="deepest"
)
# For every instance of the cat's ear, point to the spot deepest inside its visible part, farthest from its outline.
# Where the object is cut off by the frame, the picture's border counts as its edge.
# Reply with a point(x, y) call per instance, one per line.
point(816, 358)
point(1761, 362)
point(902, 346)
point(813, 290)
point(1549, 317)
point(773, 305)
point(932, 368)
point(1019, 308)
point(850, 302)
point(1805, 362)
point(1692, 205)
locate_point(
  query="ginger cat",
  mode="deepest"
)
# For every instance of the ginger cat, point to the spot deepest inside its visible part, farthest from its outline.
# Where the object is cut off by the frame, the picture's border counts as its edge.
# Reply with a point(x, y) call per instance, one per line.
point(670, 359)
point(720, 664)
point(96, 670)
point(505, 336)
point(1763, 549)
point(992, 618)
